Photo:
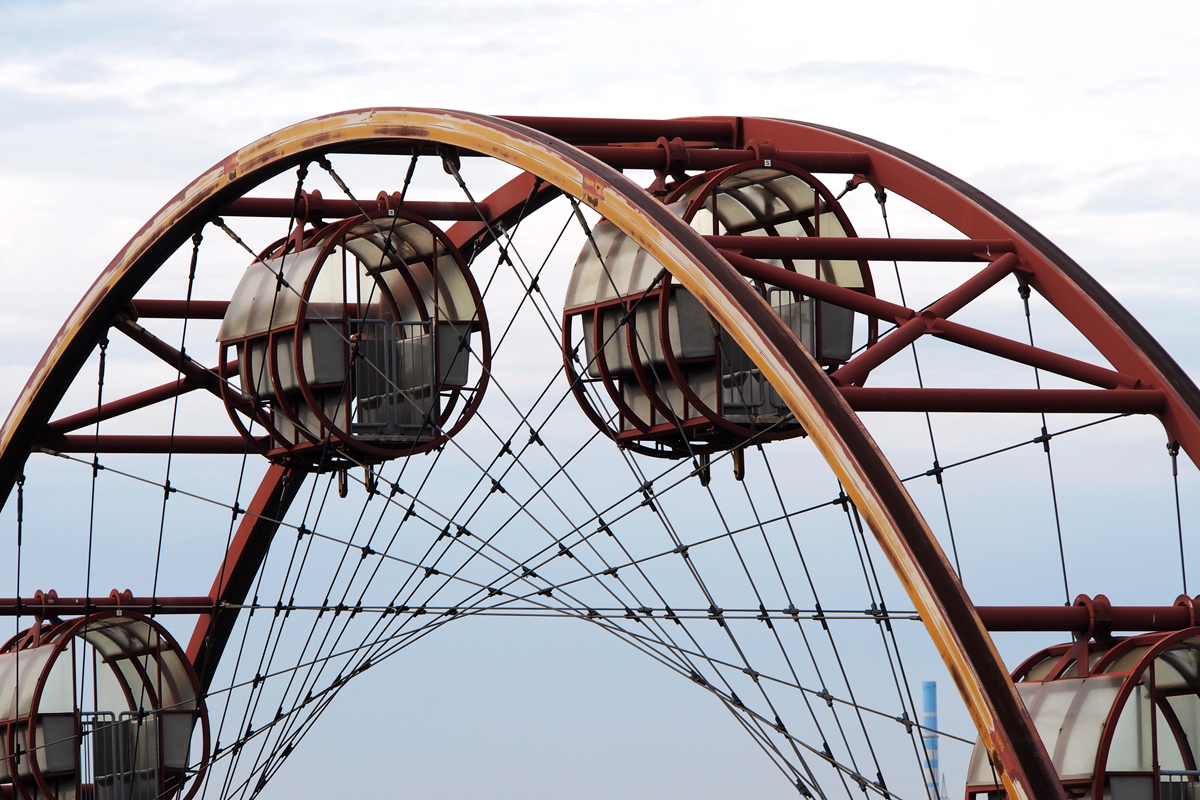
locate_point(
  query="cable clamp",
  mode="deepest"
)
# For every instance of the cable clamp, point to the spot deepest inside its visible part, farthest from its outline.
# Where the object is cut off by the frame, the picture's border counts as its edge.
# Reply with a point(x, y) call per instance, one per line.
point(763, 616)
point(820, 617)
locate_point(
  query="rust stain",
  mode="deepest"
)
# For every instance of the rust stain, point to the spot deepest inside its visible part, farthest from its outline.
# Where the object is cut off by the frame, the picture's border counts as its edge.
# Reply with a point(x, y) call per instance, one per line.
point(229, 166)
point(593, 190)
point(318, 139)
point(262, 159)
point(402, 131)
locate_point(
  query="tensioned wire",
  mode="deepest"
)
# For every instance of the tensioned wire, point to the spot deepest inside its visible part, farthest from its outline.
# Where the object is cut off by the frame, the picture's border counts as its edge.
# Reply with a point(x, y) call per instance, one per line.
point(916, 476)
point(676, 466)
point(749, 576)
point(633, 494)
point(301, 173)
point(691, 567)
point(411, 170)
point(881, 197)
point(670, 528)
point(659, 492)
point(936, 471)
point(803, 217)
point(251, 708)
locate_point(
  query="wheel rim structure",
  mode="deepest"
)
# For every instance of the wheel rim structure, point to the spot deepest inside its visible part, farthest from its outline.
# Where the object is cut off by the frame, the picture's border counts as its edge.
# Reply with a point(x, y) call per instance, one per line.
point(583, 160)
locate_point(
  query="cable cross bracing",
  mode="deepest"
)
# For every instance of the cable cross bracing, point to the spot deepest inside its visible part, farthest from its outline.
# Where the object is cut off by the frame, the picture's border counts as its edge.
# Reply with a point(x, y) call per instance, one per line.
point(530, 512)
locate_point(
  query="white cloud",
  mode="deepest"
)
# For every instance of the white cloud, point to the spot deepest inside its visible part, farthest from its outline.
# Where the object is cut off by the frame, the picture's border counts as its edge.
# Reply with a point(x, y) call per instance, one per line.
point(1075, 119)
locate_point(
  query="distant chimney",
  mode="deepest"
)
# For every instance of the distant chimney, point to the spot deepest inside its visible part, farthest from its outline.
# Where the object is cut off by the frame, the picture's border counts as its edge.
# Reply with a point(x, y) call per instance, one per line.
point(929, 738)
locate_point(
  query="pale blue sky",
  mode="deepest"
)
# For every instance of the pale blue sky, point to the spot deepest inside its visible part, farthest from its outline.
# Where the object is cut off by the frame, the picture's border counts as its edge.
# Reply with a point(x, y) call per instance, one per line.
point(1080, 117)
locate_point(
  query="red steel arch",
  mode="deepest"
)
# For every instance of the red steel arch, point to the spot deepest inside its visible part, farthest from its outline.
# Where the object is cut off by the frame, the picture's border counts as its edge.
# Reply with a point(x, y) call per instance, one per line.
point(583, 158)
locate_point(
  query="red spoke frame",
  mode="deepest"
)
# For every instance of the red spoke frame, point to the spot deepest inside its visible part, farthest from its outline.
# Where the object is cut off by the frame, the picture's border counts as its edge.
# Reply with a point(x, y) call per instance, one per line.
point(582, 158)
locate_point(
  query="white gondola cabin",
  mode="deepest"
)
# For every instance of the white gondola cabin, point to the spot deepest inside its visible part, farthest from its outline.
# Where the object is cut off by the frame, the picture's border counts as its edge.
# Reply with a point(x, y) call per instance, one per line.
point(1120, 718)
point(360, 335)
point(102, 707)
point(679, 385)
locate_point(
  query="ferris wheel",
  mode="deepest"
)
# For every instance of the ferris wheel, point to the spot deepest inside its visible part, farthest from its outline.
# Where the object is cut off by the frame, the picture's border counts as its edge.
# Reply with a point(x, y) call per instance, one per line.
point(711, 386)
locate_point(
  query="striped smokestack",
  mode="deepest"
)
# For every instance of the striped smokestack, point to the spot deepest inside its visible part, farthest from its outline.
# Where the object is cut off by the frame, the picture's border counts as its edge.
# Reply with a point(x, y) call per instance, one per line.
point(930, 739)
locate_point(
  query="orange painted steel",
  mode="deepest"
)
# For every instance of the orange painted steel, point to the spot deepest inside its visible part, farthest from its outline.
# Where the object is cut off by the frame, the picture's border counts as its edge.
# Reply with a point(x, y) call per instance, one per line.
point(877, 492)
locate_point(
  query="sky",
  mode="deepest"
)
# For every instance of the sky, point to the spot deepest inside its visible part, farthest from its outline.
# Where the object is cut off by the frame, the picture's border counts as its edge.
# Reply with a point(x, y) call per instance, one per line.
point(1080, 117)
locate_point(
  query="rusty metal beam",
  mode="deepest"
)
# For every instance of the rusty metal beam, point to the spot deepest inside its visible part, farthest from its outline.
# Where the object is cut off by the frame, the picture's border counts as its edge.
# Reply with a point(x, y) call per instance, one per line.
point(915, 324)
point(584, 130)
point(1094, 312)
point(706, 159)
point(856, 248)
point(238, 569)
point(204, 377)
point(125, 405)
point(180, 309)
point(838, 434)
point(508, 204)
point(282, 208)
point(1006, 401)
point(1033, 356)
point(116, 408)
point(1079, 618)
point(72, 606)
point(137, 443)
point(822, 290)
point(201, 375)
